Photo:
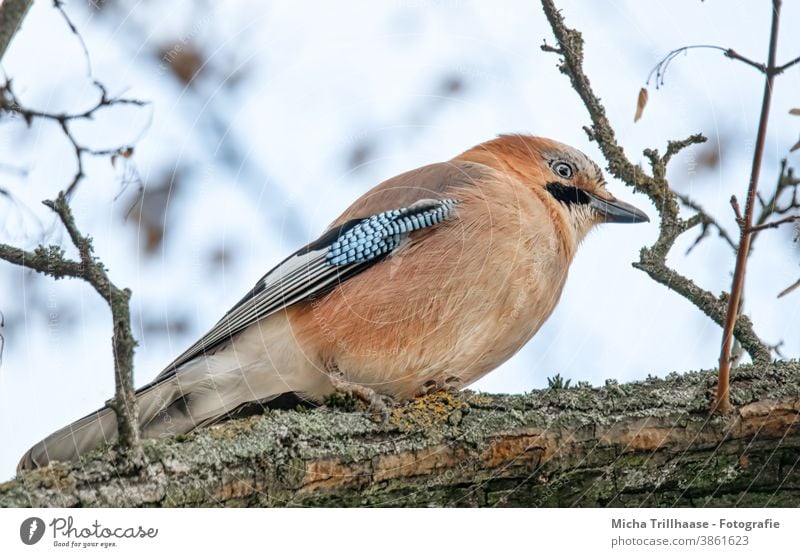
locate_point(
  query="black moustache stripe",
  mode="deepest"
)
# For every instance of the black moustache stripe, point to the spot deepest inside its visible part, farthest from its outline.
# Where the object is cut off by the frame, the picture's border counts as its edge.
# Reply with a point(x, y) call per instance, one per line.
point(568, 195)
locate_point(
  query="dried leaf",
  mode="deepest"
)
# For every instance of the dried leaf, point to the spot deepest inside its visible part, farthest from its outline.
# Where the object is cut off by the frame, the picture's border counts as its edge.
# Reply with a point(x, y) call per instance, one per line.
point(795, 111)
point(124, 152)
point(795, 147)
point(184, 59)
point(641, 102)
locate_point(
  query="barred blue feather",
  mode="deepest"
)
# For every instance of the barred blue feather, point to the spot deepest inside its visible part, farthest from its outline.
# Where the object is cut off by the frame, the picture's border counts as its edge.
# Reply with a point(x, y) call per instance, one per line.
point(379, 234)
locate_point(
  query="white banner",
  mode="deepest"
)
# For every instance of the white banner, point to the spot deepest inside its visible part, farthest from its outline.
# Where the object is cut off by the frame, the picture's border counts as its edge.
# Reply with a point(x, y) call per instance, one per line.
point(353, 532)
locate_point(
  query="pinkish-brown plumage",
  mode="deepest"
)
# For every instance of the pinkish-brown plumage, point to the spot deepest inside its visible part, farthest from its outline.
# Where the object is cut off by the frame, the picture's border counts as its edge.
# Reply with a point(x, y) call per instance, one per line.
point(448, 304)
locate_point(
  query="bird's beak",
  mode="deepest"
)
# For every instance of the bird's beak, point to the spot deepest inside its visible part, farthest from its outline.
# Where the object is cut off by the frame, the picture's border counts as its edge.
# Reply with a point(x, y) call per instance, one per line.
point(614, 210)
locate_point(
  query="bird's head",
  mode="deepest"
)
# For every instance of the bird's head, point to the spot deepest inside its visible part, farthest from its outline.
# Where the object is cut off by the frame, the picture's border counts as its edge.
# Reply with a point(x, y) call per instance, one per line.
point(567, 181)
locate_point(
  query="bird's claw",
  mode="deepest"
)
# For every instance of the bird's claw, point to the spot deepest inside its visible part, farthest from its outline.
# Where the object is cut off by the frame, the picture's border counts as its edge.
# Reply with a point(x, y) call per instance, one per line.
point(450, 385)
point(379, 404)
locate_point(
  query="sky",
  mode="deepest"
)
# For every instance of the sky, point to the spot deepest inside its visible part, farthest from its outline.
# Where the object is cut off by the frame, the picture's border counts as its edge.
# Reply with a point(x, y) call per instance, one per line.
point(295, 109)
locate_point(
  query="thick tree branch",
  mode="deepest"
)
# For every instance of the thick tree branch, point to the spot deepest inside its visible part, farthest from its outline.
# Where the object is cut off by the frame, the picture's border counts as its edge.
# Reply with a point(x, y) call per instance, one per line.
point(652, 260)
point(650, 443)
point(12, 12)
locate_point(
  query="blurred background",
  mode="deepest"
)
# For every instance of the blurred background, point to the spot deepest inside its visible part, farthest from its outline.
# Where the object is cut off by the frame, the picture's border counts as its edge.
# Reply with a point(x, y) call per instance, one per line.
point(268, 118)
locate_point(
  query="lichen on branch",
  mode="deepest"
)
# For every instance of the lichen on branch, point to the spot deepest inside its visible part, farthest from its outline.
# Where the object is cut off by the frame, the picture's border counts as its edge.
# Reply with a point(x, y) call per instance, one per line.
point(650, 443)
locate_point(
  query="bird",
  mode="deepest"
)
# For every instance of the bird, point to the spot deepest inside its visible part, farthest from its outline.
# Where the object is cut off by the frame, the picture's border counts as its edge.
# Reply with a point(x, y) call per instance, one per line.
point(427, 282)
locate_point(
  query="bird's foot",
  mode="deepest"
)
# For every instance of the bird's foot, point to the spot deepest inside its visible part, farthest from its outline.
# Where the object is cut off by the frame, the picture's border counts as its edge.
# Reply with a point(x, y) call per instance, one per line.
point(378, 404)
point(450, 384)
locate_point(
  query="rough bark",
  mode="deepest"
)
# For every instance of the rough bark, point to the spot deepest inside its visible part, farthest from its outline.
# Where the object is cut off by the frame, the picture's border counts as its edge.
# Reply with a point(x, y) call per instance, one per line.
point(649, 443)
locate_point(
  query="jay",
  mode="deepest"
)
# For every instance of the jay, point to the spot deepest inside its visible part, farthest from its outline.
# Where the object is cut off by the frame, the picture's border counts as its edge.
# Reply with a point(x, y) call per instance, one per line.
point(428, 281)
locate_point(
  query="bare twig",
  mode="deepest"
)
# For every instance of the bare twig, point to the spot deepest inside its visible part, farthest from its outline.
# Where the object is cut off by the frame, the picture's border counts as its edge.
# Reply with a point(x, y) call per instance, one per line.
point(9, 103)
point(779, 203)
point(59, 5)
point(652, 260)
point(12, 12)
point(786, 66)
point(50, 260)
point(737, 211)
point(774, 224)
point(660, 69)
point(707, 221)
point(722, 401)
point(789, 289)
point(730, 53)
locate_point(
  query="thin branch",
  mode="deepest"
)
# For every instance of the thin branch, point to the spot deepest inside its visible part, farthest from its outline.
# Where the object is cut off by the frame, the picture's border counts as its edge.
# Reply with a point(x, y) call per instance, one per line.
point(730, 53)
point(786, 66)
point(12, 12)
point(789, 289)
point(779, 203)
point(9, 102)
point(59, 5)
point(776, 348)
point(50, 260)
point(722, 401)
point(652, 260)
point(737, 211)
point(660, 69)
point(773, 224)
point(707, 222)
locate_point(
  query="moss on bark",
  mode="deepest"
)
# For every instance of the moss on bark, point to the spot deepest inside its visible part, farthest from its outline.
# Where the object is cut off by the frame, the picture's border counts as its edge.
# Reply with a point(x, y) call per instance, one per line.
point(647, 443)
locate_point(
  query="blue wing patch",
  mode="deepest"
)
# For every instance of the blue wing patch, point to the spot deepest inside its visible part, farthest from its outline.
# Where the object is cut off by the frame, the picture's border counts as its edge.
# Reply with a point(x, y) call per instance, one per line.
point(378, 235)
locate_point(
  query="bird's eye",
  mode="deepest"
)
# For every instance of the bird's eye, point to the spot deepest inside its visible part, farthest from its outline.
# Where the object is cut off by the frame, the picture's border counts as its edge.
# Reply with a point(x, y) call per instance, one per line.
point(563, 169)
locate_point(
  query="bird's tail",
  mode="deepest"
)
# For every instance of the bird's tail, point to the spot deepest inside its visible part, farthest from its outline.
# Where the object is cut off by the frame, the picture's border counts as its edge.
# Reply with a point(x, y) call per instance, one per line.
point(195, 396)
point(73, 440)
point(242, 375)
point(99, 427)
